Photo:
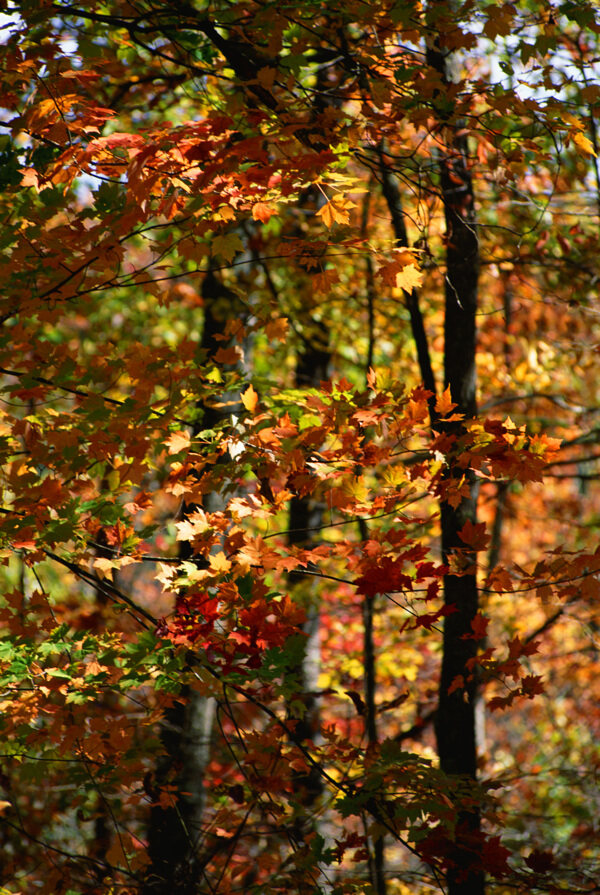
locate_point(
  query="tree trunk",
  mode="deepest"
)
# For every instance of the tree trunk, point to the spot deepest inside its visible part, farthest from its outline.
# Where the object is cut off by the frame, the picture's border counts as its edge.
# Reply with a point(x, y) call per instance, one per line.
point(456, 721)
point(306, 515)
point(175, 833)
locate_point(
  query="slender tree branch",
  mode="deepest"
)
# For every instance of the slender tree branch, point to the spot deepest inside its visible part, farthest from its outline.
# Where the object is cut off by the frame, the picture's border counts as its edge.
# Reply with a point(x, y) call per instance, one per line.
point(391, 195)
point(105, 587)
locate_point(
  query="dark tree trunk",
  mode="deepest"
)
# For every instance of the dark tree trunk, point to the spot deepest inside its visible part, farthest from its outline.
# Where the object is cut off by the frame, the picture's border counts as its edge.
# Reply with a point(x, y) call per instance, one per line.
point(175, 833)
point(455, 720)
point(305, 518)
point(175, 836)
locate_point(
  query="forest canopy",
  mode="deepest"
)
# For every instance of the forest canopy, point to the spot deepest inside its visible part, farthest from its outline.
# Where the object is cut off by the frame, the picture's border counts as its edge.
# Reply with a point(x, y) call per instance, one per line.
point(300, 447)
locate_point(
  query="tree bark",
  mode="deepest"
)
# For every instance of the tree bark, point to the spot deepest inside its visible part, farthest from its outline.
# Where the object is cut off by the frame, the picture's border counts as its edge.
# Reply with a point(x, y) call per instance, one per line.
point(175, 833)
point(306, 515)
point(456, 720)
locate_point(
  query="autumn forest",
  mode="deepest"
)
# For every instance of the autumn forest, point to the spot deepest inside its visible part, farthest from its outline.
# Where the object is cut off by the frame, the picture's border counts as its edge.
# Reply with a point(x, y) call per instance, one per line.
point(300, 447)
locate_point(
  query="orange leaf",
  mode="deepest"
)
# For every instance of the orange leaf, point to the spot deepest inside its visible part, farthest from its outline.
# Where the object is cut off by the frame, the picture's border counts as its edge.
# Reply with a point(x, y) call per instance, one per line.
point(178, 441)
point(322, 282)
point(262, 212)
point(277, 328)
point(457, 684)
point(228, 355)
point(266, 77)
point(444, 403)
point(474, 535)
point(479, 624)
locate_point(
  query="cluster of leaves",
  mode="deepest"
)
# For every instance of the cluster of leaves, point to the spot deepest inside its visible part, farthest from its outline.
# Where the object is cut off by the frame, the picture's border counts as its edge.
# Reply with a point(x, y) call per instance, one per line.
point(152, 437)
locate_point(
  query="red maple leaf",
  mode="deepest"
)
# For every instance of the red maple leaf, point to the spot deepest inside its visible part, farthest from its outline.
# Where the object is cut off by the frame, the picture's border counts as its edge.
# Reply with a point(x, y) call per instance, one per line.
point(384, 576)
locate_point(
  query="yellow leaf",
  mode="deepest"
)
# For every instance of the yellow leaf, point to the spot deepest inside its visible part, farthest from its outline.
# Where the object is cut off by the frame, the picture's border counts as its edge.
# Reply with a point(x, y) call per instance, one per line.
point(195, 524)
point(219, 562)
point(336, 212)
point(409, 278)
point(185, 531)
point(224, 213)
point(239, 508)
point(401, 272)
point(214, 375)
point(250, 399)
point(584, 144)
point(165, 574)
point(104, 567)
point(326, 214)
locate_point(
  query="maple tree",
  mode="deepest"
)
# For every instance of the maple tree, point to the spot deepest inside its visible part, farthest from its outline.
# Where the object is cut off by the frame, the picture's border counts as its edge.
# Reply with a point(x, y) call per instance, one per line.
point(298, 361)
